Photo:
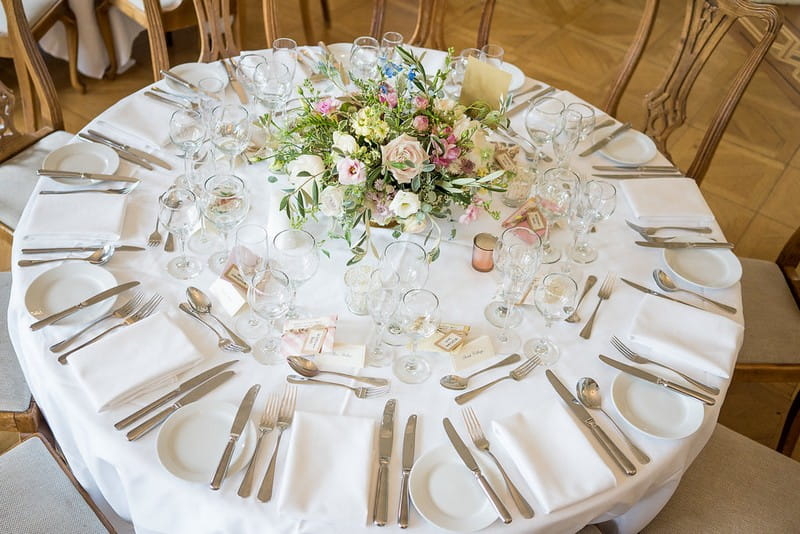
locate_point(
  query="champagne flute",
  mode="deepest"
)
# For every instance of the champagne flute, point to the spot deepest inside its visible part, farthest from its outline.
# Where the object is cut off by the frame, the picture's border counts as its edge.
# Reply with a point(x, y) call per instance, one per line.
point(212, 92)
point(496, 312)
point(543, 121)
point(389, 43)
point(364, 58)
point(382, 301)
point(554, 193)
point(297, 255)
point(419, 314)
point(271, 297)
point(227, 204)
point(565, 141)
point(178, 213)
point(246, 71)
point(284, 52)
point(272, 86)
point(230, 131)
point(251, 254)
point(555, 300)
point(588, 118)
point(522, 261)
point(598, 201)
point(187, 132)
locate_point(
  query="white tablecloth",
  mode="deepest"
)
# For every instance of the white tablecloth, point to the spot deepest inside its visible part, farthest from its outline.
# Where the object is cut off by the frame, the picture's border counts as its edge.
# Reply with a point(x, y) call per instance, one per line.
point(137, 487)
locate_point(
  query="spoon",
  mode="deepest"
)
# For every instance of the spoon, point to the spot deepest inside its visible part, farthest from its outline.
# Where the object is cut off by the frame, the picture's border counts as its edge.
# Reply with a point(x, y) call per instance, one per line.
point(589, 395)
point(668, 284)
point(458, 382)
point(202, 304)
point(309, 369)
point(590, 282)
point(98, 257)
point(223, 343)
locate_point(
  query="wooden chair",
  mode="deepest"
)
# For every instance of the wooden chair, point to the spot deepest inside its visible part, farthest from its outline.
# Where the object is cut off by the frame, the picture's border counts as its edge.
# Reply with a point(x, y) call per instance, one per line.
point(270, 13)
point(705, 24)
point(791, 427)
point(429, 29)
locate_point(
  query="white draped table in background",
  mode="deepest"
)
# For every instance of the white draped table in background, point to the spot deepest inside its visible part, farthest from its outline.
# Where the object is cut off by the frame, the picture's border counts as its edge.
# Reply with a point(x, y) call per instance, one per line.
point(130, 478)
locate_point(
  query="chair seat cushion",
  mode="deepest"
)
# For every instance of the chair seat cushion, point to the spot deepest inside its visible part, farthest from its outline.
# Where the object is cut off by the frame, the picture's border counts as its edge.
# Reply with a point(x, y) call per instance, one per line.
point(166, 5)
point(771, 316)
point(37, 496)
point(18, 175)
point(734, 485)
point(14, 393)
point(34, 9)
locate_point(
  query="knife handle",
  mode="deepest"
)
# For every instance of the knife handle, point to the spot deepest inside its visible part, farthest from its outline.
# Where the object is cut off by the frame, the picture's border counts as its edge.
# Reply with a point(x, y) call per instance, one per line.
point(469, 395)
point(138, 414)
point(224, 462)
point(690, 392)
point(498, 505)
point(29, 263)
point(265, 491)
point(38, 325)
point(380, 511)
point(611, 448)
point(402, 512)
point(150, 424)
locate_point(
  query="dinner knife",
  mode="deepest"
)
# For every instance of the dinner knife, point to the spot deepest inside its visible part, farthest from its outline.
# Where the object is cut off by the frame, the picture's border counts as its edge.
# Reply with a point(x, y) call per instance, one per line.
point(684, 244)
point(409, 438)
point(380, 509)
point(180, 81)
point(234, 82)
point(649, 291)
point(135, 151)
point(117, 248)
point(638, 175)
point(639, 168)
point(194, 395)
point(103, 295)
point(655, 379)
point(127, 156)
point(586, 418)
point(168, 100)
point(185, 386)
point(540, 94)
point(604, 141)
point(86, 176)
point(239, 424)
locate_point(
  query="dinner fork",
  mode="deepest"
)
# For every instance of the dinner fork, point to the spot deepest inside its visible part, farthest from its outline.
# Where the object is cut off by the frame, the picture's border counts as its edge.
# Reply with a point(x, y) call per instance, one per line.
point(360, 392)
point(119, 313)
point(268, 421)
point(638, 358)
point(155, 238)
point(480, 441)
point(518, 373)
point(285, 415)
point(650, 230)
point(109, 191)
point(603, 294)
point(144, 311)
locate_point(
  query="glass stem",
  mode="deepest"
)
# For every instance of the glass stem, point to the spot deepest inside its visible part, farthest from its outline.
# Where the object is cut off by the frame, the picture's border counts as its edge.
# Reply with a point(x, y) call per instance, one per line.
point(379, 331)
point(251, 294)
point(181, 237)
point(546, 240)
point(509, 305)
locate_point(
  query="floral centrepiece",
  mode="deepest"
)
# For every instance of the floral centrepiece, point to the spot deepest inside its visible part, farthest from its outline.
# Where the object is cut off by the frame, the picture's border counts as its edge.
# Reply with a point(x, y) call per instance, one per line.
point(395, 151)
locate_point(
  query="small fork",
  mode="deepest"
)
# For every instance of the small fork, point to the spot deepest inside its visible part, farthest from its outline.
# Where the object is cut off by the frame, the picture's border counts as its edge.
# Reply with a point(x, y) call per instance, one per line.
point(285, 416)
point(155, 238)
point(518, 373)
point(480, 441)
point(267, 424)
point(120, 313)
point(637, 358)
point(650, 230)
point(360, 392)
point(603, 294)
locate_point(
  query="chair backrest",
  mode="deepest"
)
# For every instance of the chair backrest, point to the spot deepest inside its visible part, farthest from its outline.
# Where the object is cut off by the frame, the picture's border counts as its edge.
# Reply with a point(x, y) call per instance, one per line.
point(705, 24)
point(215, 21)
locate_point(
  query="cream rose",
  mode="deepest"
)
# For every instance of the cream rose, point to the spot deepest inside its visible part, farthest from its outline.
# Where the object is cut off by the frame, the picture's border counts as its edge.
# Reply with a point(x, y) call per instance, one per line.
point(404, 204)
point(344, 142)
point(401, 150)
point(311, 164)
point(331, 200)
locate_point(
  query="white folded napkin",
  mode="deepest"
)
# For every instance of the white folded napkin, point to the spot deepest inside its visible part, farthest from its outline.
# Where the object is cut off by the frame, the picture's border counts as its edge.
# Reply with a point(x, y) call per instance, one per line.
point(660, 201)
point(687, 338)
point(133, 360)
point(556, 460)
point(142, 117)
point(328, 474)
point(80, 216)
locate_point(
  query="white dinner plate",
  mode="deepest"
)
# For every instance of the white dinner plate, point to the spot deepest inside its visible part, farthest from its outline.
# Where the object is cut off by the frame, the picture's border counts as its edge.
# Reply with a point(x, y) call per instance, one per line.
point(655, 410)
point(193, 73)
point(629, 148)
point(82, 157)
point(67, 285)
point(517, 76)
point(708, 268)
point(447, 494)
point(190, 443)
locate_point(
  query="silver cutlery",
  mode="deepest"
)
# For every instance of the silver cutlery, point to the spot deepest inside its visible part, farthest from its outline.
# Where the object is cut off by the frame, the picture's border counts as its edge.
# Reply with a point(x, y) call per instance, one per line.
point(586, 418)
point(649, 291)
point(285, 416)
point(458, 382)
point(237, 428)
point(155, 238)
point(202, 305)
point(144, 311)
point(269, 418)
point(222, 342)
point(171, 98)
point(635, 357)
point(235, 84)
point(309, 369)
point(169, 244)
point(86, 176)
point(359, 392)
point(637, 175)
point(604, 141)
point(196, 394)
point(472, 465)
point(590, 282)
point(94, 299)
point(170, 102)
point(517, 374)
point(667, 284)
point(180, 81)
point(124, 154)
point(184, 387)
point(523, 143)
point(380, 508)
point(655, 379)
point(540, 94)
point(111, 191)
point(684, 244)
point(603, 124)
point(189, 100)
point(639, 168)
point(650, 230)
point(51, 250)
point(119, 313)
point(603, 294)
point(479, 439)
point(98, 257)
point(409, 439)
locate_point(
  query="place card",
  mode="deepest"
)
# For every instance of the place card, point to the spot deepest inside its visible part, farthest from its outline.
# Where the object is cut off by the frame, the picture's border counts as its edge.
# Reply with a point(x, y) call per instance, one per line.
point(448, 339)
point(308, 337)
point(484, 83)
point(227, 295)
point(344, 355)
point(473, 353)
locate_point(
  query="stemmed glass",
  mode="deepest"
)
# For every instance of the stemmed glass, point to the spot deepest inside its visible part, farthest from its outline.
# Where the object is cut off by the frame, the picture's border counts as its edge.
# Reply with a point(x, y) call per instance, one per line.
point(251, 254)
point(203, 241)
point(409, 260)
point(246, 71)
point(364, 58)
point(452, 85)
point(178, 213)
point(272, 295)
point(555, 300)
point(230, 131)
point(297, 255)
point(212, 92)
point(284, 52)
point(187, 132)
point(419, 316)
point(587, 118)
point(522, 262)
point(382, 301)
point(496, 312)
point(566, 140)
point(597, 202)
point(226, 205)
point(389, 43)
point(272, 86)
point(543, 121)
point(492, 54)
point(554, 194)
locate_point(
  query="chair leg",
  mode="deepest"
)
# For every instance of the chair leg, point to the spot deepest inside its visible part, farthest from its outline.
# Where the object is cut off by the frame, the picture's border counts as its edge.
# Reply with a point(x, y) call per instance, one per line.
point(72, 52)
point(326, 13)
point(108, 40)
point(791, 427)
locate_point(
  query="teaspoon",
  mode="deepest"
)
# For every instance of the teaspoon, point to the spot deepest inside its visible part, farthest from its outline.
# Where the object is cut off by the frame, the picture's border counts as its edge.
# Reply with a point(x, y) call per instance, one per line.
point(202, 304)
point(223, 342)
point(309, 369)
point(459, 382)
point(668, 284)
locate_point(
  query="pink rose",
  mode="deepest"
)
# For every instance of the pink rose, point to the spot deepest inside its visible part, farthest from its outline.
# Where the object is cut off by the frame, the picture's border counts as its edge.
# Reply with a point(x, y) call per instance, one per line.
point(351, 171)
point(445, 151)
point(420, 123)
point(326, 106)
point(388, 95)
point(421, 102)
point(403, 150)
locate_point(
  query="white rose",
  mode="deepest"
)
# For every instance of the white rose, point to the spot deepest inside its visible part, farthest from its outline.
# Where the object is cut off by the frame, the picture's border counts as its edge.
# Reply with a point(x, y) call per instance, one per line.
point(404, 204)
point(344, 142)
point(444, 104)
point(330, 201)
point(461, 126)
point(313, 165)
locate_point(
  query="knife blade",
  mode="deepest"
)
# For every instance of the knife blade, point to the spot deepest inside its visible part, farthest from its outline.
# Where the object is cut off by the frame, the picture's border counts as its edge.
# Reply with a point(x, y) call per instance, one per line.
point(336, 63)
point(234, 82)
point(649, 291)
point(180, 81)
point(604, 141)
point(409, 438)
point(540, 94)
point(640, 168)
point(167, 100)
point(239, 424)
point(655, 379)
point(194, 395)
point(103, 295)
point(117, 248)
point(586, 418)
point(127, 156)
point(640, 175)
point(380, 508)
point(86, 176)
point(183, 387)
point(135, 151)
point(472, 465)
point(684, 244)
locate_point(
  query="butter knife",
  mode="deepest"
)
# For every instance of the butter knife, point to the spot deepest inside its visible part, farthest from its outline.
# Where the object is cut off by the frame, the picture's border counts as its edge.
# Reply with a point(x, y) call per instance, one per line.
point(103, 295)
point(586, 418)
point(234, 82)
point(540, 94)
point(649, 291)
point(604, 141)
point(380, 509)
point(409, 438)
point(117, 248)
point(655, 379)
point(127, 156)
point(684, 244)
point(167, 100)
point(86, 176)
point(135, 151)
point(238, 426)
point(180, 81)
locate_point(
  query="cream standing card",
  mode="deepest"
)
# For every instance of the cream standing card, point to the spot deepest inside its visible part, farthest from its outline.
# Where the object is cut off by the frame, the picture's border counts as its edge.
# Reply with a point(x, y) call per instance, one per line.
point(485, 83)
point(473, 353)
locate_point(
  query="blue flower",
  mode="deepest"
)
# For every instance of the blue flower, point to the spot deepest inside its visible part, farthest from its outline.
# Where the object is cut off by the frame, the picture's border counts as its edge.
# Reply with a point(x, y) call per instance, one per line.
point(412, 74)
point(390, 69)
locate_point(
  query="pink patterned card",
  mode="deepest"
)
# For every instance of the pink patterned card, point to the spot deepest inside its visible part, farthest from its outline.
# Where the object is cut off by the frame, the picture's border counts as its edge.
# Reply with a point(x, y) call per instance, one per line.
point(308, 337)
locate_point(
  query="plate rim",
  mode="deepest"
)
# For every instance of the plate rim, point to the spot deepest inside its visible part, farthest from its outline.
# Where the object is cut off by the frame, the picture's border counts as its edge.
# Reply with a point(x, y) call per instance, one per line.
point(193, 64)
point(667, 253)
point(650, 144)
point(514, 70)
point(94, 270)
point(110, 155)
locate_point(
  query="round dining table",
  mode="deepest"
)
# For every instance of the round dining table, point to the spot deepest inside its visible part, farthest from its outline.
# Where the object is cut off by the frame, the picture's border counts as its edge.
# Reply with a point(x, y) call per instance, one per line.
point(129, 475)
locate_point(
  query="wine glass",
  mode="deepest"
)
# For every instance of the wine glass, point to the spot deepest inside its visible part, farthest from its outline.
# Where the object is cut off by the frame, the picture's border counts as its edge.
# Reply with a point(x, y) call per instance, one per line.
point(389, 43)
point(297, 255)
point(455, 78)
point(598, 200)
point(587, 117)
point(566, 140)
point(496, 312)
point(555, 300)
point(382, 301)
point(492, 54)
point(212, 92)
point(246, 71)
point(271, 297)
point(230, 130)
point(284, 52)
point(273, 86)
point(179, 215)
point(226, 205)
point(520, 267)
point(364, 58)
point(251, 254)
point(543, 121)
point(203, 241)
point(554, 194)
point(409, 260)
point(187, 132)
point(419, 315)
